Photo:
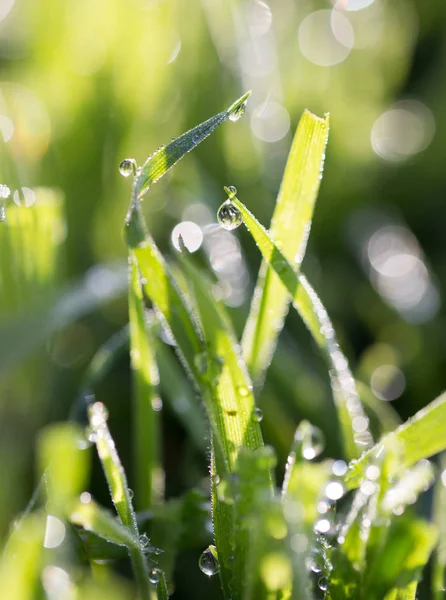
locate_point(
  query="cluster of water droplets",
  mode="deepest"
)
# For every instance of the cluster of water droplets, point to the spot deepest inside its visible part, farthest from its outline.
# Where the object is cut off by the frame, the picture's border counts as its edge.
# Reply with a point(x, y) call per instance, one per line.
point(98, 421)
point(228, 215)
point(4, 193)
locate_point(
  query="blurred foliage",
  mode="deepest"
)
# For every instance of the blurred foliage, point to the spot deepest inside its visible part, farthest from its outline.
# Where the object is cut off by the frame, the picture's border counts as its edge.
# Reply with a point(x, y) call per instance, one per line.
point(85, 84)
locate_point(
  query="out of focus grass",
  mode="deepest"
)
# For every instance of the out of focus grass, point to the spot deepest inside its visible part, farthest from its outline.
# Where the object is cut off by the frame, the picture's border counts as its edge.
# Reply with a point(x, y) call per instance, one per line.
point(85, 84)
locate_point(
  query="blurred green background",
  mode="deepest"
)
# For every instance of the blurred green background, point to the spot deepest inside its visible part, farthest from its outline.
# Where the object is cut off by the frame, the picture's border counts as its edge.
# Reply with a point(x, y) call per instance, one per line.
point(86, 83)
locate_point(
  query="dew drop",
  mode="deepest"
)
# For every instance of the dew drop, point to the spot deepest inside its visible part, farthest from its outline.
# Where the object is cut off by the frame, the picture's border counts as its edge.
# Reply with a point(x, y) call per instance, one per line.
point(229, 216)
point(323, 584)
point(334, 490)
point(258, 415)
point(231, 190)
point(131, 494)
point(155, 576)
point(238, 111)
point(143, 540)
point(311, 440)
point(2, 212)
point(208, 561)
point(98, 415)
point(127, 167)
point(243, 391)
point(92, 435)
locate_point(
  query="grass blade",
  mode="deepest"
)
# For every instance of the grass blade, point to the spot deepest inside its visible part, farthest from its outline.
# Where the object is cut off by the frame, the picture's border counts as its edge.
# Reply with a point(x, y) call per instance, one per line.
point(119, 490)
point(439, 562)
point(148, 471)
point(93, 518)
point(353, 422)
point(421, 436)
point(22, 559)
point(290, 227)
point(165, 157)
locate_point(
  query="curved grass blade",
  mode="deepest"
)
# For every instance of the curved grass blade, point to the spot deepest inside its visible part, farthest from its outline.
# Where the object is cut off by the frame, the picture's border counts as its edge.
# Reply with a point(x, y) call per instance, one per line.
point(165, 157)
point(146, 451)
point(290, 227)
point(92, 517)
point(421, 436)
point(353, 422)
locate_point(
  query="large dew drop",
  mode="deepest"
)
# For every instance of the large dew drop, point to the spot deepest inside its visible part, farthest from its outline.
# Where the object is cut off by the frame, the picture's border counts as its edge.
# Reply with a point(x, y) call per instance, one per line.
point(127, 167)
point(310, 439)
point(208, 561)
point(229, 216)
point(238, 111)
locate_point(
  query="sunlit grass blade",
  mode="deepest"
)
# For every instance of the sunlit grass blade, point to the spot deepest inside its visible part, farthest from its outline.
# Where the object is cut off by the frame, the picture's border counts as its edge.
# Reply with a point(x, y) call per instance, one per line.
point(409, 544)
point(165, 157)
point(421, 436)
point(160, 287)
point(95, 519)
point(148, 470)
point(290, 227)
point(354, 424)
point(22, 559)
point(119, 490)
point(232, 409)
point(111, 463)
point(439, 562)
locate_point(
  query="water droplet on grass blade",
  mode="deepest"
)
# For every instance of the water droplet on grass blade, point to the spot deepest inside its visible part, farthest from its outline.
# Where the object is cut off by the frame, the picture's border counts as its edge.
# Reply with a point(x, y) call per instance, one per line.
point(2, 212)
point(155, 576)
point(229, 216)
point(208, 561)
point(231, 190)
point(310, 439)
point(238, 111)
point(323, 584)
point(143, 540)
point(127, 167)
point(258, 415)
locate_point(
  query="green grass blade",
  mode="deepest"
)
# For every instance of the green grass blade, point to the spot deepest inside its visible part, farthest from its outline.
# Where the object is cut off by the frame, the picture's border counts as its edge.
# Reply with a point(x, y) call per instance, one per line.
point(148, 471)
point(22, 559)
point(170, 305)
point(232, 408)
point(165, 157)
point(119, 490)
point(95, 519)
point(63, 464)
point(290, 227)
point(439, 562)
point(420, 437)
point(354, 424)
point(111, 463)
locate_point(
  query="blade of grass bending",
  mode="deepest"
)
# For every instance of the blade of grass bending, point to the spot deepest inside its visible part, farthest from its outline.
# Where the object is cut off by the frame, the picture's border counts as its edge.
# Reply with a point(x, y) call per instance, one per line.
point(119, 490)
point(353, 422)
point(421, 436)
point(99, 521)
point(290, 227)
point(146, 450)
point(165, 157)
